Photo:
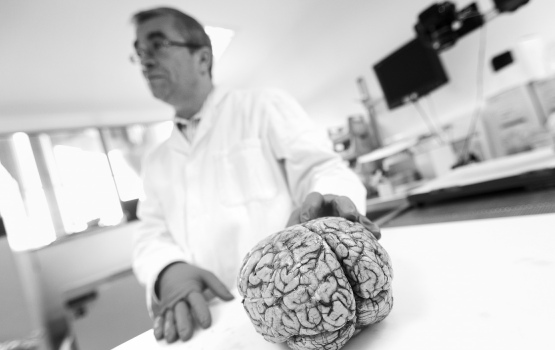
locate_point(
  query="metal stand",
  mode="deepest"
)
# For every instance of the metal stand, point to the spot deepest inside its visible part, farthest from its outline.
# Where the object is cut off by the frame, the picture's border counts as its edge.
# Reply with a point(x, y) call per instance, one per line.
point(372, 115)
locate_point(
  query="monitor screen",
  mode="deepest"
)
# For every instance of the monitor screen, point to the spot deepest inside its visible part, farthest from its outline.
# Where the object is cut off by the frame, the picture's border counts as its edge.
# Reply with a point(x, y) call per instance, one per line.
point(413, 70)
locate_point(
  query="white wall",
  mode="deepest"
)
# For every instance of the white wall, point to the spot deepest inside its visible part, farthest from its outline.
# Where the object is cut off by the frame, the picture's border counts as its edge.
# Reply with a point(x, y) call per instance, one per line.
point(76, 261)
point(69, 268)
point(15, 320)
point(54, 121)
point(94, 262)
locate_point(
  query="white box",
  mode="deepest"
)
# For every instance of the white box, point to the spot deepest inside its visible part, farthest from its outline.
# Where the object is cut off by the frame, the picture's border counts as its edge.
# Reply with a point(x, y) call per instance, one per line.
point(544, 91)
point(512, 121)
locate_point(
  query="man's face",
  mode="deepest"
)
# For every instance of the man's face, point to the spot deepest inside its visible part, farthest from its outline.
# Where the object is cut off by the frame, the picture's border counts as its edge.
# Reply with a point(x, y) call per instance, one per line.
point(172, 72)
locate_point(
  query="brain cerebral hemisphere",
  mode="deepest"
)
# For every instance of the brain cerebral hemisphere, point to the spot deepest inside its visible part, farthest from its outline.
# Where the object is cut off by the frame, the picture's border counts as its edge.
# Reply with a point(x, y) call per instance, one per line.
point(315, 285)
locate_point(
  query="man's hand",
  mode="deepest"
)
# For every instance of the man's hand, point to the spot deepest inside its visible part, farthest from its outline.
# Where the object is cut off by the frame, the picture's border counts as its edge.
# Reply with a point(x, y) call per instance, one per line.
point(317, 206)
point(182, 290)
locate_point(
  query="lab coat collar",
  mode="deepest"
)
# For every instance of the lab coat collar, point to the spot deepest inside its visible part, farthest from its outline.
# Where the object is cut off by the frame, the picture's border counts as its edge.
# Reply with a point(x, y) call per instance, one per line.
point(207, 116)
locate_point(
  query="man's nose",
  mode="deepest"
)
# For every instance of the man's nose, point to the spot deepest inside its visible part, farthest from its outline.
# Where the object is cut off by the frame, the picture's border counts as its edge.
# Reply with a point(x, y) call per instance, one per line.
point(145, 56)
point(147, 60)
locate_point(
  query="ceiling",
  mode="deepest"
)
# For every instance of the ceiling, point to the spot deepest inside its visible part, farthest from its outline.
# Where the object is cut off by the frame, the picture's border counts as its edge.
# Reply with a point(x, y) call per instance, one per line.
point(71, 56)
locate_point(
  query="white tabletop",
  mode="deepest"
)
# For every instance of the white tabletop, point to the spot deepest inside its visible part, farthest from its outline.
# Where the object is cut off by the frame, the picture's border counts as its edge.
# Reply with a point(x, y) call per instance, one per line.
point(483, 284)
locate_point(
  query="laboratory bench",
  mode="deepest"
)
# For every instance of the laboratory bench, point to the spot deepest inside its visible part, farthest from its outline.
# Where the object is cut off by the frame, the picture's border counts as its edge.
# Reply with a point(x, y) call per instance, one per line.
point(475, 271)
point(474, 284)
point(520, 184)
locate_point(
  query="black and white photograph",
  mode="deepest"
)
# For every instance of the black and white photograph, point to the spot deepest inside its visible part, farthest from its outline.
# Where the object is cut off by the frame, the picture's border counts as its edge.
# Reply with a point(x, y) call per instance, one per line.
point(280, 175)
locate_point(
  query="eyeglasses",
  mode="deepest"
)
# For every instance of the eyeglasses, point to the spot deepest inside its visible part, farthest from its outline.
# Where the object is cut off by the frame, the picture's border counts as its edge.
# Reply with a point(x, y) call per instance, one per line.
point(156, 47)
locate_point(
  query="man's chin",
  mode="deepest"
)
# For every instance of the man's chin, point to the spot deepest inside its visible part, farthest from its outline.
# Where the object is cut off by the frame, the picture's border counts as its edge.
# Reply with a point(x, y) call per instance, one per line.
point(160, 94)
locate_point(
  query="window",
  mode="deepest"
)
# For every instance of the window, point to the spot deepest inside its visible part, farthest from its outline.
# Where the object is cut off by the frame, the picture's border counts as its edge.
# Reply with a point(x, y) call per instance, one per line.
point(77, 180)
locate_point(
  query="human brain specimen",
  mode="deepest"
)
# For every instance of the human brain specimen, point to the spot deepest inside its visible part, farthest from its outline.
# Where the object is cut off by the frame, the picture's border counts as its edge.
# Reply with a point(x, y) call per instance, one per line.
point(316, 284)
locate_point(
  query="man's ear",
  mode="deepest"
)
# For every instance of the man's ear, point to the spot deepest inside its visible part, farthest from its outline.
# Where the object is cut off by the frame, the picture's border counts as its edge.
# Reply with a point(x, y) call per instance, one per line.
point(205, 60)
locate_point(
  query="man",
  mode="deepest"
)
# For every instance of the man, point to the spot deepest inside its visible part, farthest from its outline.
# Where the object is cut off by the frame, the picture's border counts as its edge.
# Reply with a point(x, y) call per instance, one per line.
point(238, 166)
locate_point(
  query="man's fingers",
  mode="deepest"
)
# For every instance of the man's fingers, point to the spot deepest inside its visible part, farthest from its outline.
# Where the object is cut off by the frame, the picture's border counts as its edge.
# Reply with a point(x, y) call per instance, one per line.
point(344, 207)
point(170, 332)
point(294, 219)
point(183, 321)
point(158, 327)
point(317, 205)
point(312, 207)
point(199, 309)
point(370, 226)
point(214, 284)
point(173, 299)
point(208, 295)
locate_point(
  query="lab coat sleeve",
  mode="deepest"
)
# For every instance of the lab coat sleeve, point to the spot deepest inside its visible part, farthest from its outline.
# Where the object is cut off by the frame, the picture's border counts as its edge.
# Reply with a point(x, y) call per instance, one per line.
point(153, 246)
point(307, 152)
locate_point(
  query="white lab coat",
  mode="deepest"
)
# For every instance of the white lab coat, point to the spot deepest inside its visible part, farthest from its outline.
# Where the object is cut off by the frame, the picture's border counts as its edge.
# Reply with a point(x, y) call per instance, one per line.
point(254, 158)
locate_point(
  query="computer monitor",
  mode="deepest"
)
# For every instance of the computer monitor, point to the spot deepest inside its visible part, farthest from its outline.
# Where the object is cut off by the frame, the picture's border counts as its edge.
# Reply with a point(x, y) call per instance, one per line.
point(410, 72)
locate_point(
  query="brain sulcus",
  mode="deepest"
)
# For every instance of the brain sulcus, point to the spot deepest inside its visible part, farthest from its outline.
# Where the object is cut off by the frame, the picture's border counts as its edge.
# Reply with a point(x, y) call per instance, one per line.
point(316, 284)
